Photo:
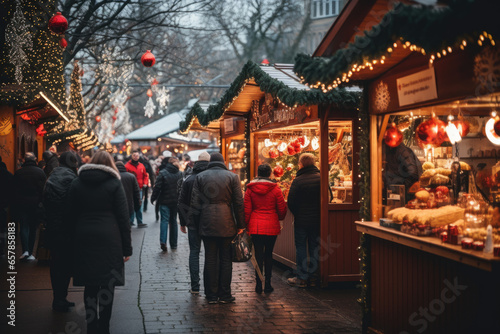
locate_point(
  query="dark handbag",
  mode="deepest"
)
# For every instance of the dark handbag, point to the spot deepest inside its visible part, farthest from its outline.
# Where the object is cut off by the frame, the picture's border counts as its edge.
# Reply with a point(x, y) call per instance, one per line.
point(241, 247)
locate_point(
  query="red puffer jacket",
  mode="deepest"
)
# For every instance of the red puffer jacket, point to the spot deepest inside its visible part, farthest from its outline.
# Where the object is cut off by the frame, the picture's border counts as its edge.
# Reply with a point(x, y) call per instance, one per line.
point(264, 207)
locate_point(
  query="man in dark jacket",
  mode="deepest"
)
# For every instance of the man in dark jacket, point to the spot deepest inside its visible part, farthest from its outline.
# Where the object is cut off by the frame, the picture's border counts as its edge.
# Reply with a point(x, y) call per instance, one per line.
point(58, 232)
point(29, 181)
point(304, 202)
point(217, 208)
point(167, 194)
point(131, 187)
point(193, 234)
point(51, 162)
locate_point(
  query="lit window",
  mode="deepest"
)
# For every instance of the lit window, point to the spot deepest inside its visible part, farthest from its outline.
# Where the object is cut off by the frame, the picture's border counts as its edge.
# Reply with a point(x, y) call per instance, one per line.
point(324, 8)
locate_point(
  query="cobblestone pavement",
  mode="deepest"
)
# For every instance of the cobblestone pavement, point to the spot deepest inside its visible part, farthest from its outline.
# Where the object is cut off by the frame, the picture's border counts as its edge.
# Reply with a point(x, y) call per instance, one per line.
point(156, 299)
point(168, 307)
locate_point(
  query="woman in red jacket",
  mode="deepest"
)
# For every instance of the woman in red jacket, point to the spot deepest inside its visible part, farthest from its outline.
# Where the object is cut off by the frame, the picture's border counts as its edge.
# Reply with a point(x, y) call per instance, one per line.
point(264, 208)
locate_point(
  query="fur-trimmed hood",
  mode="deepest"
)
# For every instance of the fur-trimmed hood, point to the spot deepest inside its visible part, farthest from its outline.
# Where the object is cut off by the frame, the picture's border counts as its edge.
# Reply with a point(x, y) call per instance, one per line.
point(95, 173)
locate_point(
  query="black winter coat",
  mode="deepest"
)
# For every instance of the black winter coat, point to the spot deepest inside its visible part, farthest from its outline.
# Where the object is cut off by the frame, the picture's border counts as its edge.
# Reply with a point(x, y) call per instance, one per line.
point(217, 202)
point(304, 197)
point(7, 182)
point(55, 201)
point(185, 194)
point(100, 222)
point(131, 188)
point(29, 181)
point(166, 186)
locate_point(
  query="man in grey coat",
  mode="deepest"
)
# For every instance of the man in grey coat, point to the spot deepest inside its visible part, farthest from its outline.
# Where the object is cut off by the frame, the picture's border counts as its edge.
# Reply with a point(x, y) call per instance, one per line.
point(217, 208)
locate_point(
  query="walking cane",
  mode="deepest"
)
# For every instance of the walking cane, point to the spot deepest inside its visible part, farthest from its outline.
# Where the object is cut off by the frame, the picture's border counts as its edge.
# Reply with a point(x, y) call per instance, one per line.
point(256, 265)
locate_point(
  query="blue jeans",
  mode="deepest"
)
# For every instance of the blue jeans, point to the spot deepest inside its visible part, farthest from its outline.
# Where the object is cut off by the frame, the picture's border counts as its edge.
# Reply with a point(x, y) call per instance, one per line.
point(307, 239)
point(138, 213)
point(194, 258)
point(168, 222)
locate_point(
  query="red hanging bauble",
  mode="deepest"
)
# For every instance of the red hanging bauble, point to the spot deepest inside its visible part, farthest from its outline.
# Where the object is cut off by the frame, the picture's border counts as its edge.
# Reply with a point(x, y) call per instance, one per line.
point(155, 82)
point(113, 132)
point(114, 118)
point(431, 132)
point(98, 118)
point(278, 171)
point(63, 43)
point(264, 62)
point(150, 93)
point(463, 127)
point(116, 111)
point(58, 24)
point(393, 136)
point(148, 59)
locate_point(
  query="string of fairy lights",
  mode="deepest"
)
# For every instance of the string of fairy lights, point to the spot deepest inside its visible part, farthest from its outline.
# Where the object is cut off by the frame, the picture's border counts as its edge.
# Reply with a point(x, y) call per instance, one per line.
point(368, 65)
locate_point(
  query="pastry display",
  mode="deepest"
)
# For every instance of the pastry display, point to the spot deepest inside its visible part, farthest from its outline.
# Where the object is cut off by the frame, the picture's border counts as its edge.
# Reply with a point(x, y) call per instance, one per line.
point(433, 217)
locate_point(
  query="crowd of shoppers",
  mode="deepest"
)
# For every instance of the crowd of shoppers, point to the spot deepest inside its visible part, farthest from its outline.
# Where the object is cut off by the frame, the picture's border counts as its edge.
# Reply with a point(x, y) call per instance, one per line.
point(89, 208)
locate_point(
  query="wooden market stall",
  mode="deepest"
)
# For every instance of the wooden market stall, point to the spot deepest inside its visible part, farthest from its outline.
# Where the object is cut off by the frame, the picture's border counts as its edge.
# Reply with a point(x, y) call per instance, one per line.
point(267, 116)
point(425, 259)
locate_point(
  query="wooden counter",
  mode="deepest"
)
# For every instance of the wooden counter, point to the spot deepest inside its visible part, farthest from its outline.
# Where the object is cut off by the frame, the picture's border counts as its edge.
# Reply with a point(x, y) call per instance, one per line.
point(420, 285)
point(431, 245)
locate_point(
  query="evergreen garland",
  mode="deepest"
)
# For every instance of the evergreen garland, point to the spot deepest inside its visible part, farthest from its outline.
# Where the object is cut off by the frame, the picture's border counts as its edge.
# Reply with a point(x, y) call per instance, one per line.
point(364, 212)
point(287, 95)
point(429, 27)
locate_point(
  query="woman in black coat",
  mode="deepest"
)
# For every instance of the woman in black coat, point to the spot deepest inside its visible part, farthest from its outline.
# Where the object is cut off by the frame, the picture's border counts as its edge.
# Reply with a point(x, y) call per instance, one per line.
point(101, 237)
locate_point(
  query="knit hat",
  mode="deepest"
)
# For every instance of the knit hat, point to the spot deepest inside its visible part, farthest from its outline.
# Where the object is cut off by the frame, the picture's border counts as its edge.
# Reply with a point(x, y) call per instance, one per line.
point(204, 156)
point(68, 159)
point(216, 156)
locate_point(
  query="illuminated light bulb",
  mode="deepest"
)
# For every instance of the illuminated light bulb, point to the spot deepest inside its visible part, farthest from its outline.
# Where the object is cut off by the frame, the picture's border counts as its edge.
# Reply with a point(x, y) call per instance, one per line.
point(389, 50)
point(395, 45)
point(449, 49)
point(479, 42)
point(438, 55)
point(452, 132)
point(444, 52)
point(382, 61)
point(490, 132)
point(481, 37)
point(464, 43)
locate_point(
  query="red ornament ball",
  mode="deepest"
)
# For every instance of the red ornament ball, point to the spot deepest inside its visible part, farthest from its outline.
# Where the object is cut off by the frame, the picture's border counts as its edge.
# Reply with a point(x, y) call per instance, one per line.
point(496, 126)
point(148, 59)
point(113, 132)
point(98, 118)
point(431, 132)
point(278, 171)
point(274, 153)
point(63, 43)
point(58, 24)
point(290, 149)
point(463, 127)
point(150, 93)
point(116, 111)
point(114, 118)
point(393, 137)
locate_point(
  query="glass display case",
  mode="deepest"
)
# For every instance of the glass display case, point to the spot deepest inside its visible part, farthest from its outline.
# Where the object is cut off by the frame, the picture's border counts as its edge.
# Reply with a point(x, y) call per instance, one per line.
point(236, 157)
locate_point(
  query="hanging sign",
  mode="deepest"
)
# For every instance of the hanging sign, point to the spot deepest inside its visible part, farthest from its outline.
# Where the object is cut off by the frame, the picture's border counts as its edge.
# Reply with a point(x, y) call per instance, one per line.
point(418, 87)
point(228, 125)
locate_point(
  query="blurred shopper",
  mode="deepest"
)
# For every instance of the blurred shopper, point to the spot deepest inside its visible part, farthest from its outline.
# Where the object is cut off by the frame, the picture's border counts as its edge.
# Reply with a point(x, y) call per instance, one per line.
point(29, 181)
point(151, 181)
point(167, 193)
point(187, 166)
point(101, 237)
point(264, 208)
point(51, 162)
point(138, 169)
point(188, 226)
point(304, 203)
point(131, 188)
point(55, 201)
point(7, 182)
point(217, 204)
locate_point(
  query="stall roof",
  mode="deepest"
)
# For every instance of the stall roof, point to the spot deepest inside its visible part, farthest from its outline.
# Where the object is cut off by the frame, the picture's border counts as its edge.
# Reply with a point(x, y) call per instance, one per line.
point(118, 139)
point(407, 29)
point(163, 126)
point(253, 82)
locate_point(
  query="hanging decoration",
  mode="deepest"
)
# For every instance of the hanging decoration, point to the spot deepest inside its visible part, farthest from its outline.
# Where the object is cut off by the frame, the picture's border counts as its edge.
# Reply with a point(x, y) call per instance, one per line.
point(63, 43)
point(58, 24)
point(431, 133)
point(496, 126)
point(382, 97)
point(19, 40)
point(487, 70)
point(393, 137)
point(40, 131)
point(163, 98)
point(264, 62)
point(452, 132)
point(463, 126)
point(98, 118)
point(149, 93)
point(148, 59)
point(278, 171)
point(149, 109)
point(490, 132)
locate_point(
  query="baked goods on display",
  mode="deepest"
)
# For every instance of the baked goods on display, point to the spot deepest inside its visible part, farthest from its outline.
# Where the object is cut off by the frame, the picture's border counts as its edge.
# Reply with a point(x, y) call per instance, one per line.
point(433, 217)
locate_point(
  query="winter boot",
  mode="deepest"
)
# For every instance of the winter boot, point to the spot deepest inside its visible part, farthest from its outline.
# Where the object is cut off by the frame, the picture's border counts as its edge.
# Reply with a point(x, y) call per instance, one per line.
point(268, 288)
point(258, 285)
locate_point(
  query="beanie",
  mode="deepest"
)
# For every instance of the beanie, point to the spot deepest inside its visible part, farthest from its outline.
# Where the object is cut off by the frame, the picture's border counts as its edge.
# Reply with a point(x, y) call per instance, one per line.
point(216, 156)
point(204, 156)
